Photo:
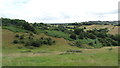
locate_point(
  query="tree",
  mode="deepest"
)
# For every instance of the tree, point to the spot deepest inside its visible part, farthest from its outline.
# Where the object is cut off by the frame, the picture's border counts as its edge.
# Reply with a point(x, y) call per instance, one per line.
point(29, 27)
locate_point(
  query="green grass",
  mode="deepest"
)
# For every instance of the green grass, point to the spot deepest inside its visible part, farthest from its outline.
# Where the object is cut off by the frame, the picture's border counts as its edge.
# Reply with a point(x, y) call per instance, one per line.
point(14, 29)
point(99, 57)
point(87, 41)
point(58, 34)
point(12, 56)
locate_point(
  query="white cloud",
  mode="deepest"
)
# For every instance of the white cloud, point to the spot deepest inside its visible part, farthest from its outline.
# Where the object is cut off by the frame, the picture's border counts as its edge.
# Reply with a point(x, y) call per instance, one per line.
point(59, 11)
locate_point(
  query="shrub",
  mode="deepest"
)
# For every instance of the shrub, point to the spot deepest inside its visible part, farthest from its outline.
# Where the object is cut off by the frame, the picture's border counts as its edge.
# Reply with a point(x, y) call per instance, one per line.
point(78, 31)
point(15, 41)
point(33, 43)
point(17, 35)
point(84, 27)
point(31, 34)
point(91, 36)
point(40, 42)
point(81, 36)
point(19, 47)
point(21, 41)
point(73, 36)
point(91, 44)
point(21, 37)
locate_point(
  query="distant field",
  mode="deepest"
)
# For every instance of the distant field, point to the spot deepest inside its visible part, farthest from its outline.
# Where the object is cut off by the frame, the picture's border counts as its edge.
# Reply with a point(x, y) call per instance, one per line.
point(55, 55)
point(112, 29)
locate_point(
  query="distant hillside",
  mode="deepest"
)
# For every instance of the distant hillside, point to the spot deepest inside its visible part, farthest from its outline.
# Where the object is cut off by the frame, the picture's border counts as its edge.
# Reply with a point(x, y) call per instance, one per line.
point(90, 34)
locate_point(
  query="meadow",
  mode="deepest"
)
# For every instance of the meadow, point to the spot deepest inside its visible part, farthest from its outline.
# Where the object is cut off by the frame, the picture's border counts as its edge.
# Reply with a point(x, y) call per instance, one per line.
point(72, 44)
point(55, 55)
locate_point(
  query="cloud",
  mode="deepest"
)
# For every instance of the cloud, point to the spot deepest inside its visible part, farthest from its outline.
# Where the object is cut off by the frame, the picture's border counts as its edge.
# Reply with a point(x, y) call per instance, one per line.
point(60, 11)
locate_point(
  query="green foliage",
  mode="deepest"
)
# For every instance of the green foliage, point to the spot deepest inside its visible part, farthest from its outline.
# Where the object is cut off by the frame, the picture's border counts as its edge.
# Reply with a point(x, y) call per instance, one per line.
point(78, 31)
point(81, 35)
point(91, 36)
point(29, 27)
point(28, 40)
point(73, 36)
point(87, 43)
point(21, 24)
point(11, 22)
point(18, 41)
point(15, 41)
point(67, 31)
point(116, 37)
point(40, 42)
point(80, 44)
point(17, 35)
point(34, 43)
point(21, 37)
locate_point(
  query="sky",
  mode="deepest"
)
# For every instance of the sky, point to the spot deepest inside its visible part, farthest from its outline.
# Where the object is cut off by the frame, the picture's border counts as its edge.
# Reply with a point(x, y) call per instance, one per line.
point(60, 11)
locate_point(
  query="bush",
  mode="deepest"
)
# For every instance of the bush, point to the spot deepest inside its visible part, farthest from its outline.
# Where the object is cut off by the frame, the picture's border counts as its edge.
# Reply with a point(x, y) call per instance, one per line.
point(77, 43)
point(21, 41)
point(91, 36)
point(73, 36)
point(78, 31)
point(15, 41)
point(21, 37)
point(40, 42)
point(31, 34)
point(17, 35)
point(19, 47)
point(81, 36)
point(91, 44)
point(33, 43)
point(84, 27)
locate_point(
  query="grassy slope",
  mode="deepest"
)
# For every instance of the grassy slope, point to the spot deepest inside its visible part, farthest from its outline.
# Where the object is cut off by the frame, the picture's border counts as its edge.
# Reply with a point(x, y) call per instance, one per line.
point(12, 56)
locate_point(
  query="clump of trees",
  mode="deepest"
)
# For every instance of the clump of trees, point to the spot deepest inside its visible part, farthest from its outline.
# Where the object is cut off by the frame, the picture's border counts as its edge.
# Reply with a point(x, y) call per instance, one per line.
point(40, 42)
point(18, 23)
point(103, 39)
point(30, 41)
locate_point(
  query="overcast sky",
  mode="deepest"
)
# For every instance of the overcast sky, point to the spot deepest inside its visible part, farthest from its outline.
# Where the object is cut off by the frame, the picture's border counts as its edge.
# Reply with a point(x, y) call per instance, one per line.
point(60, 11)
